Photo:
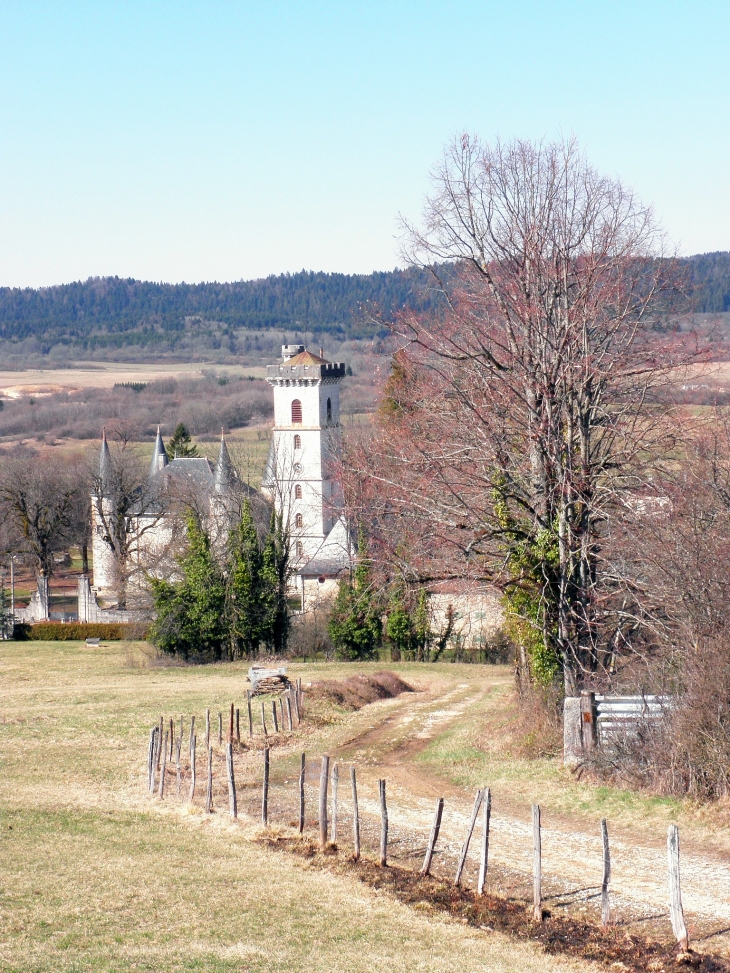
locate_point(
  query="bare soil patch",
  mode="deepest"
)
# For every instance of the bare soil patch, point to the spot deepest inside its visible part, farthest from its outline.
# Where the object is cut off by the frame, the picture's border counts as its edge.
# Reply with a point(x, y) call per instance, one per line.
point(614, 948)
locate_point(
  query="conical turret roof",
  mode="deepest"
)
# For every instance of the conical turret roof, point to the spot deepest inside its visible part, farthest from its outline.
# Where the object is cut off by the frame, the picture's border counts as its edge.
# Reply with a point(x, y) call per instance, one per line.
point(159, 456)
point(224, 472)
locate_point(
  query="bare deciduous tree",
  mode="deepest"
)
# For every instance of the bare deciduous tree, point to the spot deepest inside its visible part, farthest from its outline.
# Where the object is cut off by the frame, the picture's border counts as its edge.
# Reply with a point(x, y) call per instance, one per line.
point(519, 416)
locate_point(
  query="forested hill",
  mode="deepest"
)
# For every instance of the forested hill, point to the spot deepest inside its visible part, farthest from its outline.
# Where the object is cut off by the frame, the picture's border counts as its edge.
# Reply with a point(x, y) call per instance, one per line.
point(111, 312)
point(302, 301)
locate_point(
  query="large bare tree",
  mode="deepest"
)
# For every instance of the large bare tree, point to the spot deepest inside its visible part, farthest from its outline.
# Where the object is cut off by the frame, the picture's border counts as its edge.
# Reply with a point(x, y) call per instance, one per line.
point(519, 416)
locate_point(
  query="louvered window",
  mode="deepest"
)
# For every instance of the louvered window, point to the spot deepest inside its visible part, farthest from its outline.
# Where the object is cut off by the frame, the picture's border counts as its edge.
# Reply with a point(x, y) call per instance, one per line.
point(299, 521)
point(297, 492)
point(296, 411)
point(297, 441)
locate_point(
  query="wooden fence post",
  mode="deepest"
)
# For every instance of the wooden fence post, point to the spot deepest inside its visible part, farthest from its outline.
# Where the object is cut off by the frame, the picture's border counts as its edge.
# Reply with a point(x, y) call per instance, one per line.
point(161, 792)
point(192, 736)
point(265, 792)
point(324, 774)
point(605, 903)
point(209, 788)
point(536, 864)
point(296, 707)
point(172, 736)
point(335, 784)
point(288, 712)
point(355, 815)
point(192, 769)
point(151, 760)
point(675, 890)
point(465, 846)
point(231, 724)
point(301, 793)
point(250, 714)
point(238, 726)
point(276, 718)
point(433, 837)
point(263, 719)
point(159, 744)
point(484, 863)
point(181, 729)
point(383, 825)
point(178, 751)
point(220, 729)
point(207, 730)
point(232, 801)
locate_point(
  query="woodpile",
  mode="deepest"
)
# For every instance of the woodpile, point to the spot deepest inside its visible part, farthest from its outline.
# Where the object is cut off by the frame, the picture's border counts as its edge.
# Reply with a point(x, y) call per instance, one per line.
point(265, 680)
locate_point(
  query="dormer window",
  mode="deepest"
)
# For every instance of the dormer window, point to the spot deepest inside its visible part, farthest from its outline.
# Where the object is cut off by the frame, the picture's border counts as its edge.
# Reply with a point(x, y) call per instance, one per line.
point(296, 412)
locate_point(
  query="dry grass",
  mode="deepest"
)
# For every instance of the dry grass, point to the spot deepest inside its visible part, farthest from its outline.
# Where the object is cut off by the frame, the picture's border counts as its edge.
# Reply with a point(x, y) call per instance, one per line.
point(96, 876)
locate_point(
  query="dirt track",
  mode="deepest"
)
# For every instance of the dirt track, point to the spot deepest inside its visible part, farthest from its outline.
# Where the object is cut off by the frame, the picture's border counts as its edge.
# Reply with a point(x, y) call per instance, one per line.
point(401, 729)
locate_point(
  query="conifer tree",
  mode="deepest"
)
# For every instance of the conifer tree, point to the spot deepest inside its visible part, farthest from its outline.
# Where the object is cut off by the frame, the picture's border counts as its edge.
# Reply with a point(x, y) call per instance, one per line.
point(181, 445)
point(399, 627)
point(190, 612)
point(245, 597)
point(275, 576)
point(354, 625)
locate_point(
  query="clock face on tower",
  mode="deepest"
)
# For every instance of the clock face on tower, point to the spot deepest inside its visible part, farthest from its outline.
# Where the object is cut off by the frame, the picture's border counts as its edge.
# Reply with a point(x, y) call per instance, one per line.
point(297, 467)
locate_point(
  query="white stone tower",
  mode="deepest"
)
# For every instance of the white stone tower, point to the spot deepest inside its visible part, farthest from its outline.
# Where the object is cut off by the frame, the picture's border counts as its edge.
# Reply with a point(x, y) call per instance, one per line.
point(306, 437)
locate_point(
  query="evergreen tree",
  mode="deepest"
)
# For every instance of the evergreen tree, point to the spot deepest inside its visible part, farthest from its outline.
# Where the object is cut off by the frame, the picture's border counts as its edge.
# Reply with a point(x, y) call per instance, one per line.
point(275, 576)
point(190, 612)
point(181, 445)
point(422, 634)
point(399, 627)
point(5, 616)
point(246, 595)
point(354, 625)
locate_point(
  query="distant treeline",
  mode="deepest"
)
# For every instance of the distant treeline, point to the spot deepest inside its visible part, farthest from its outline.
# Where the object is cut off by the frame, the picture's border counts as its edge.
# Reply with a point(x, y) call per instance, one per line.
point(111, 312)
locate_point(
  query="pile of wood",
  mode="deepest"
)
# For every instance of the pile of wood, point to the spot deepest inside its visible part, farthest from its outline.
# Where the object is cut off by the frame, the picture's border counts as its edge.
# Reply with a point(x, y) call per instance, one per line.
point(265, 680)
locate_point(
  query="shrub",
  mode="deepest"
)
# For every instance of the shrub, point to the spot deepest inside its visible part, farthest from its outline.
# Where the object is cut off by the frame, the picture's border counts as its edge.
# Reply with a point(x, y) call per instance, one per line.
point(75, 631)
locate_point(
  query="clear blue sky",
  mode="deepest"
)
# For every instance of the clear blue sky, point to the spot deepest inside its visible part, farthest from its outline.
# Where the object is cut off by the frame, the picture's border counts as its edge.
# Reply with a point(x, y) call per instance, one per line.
point(227, 140)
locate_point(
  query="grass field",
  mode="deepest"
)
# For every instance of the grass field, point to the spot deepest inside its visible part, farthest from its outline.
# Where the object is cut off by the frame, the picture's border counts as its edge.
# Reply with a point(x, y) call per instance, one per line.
point(94, 875)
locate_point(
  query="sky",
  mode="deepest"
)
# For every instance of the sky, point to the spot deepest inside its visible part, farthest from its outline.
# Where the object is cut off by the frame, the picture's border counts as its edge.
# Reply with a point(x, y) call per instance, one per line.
point(231, 140)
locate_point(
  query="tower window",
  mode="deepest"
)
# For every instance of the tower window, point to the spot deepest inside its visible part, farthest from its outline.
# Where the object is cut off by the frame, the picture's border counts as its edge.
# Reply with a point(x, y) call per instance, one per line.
point(329, 410)
point(299, 521)
point(298, 492)
point(296, 411)
point(297, 441)
point(300, 549)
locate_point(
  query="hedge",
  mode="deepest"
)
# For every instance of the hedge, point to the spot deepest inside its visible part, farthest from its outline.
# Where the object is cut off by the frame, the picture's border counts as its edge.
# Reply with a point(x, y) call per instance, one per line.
point(78, 631)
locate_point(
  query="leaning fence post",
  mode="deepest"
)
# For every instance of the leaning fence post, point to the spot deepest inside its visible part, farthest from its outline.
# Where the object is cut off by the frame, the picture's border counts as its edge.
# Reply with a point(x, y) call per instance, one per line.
point(288, 712)
point(301, 793)
point(233, 803)
point(150, 758)
point(605, 903)
point(238, 726)
point(335, 783)
point(263, 719)
point(209, 788)
point(276, 718)
point(324, 773)
point(536, 864)
point(433, 837)
point(484, 863)
point(265, 790)
point(250, 714)
point(296, 706)
point(383, 825)
point(159, 744)
point(355, 815)
point(675, 891)
point(465, 847)
point(161, 792)
point(192, 768)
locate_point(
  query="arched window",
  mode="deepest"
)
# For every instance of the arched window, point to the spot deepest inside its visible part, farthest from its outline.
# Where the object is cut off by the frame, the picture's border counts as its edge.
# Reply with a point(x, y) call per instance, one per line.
point(329, 410)
point(299, 521)
point(296, 411)
point(297, 441)
point(300, 549)
point(298, 492)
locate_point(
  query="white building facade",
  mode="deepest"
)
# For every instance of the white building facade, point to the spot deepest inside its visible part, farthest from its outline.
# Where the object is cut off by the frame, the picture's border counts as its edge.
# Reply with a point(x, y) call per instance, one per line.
point(300, 477)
